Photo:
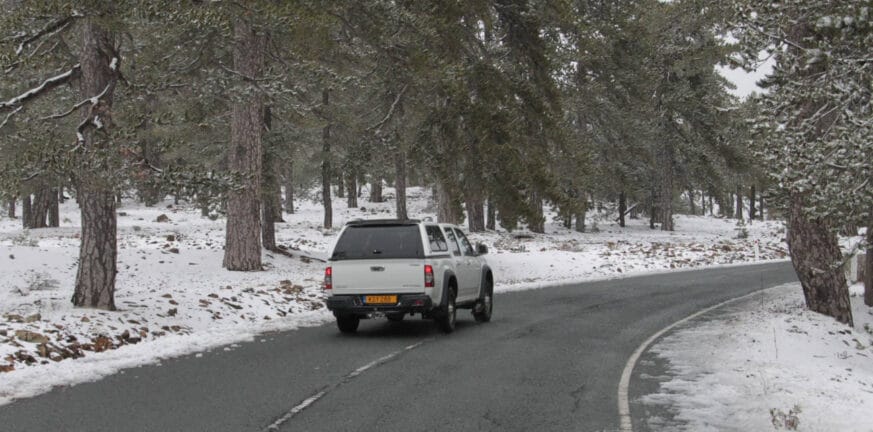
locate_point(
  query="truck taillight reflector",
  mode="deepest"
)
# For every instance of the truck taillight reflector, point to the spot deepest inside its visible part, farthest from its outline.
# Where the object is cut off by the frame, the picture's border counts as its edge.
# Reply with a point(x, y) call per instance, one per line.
point(428, 276)
point(328, 278)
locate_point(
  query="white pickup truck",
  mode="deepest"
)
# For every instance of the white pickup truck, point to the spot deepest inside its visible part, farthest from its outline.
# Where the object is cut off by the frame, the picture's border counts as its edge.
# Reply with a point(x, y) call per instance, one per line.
point(393, 267)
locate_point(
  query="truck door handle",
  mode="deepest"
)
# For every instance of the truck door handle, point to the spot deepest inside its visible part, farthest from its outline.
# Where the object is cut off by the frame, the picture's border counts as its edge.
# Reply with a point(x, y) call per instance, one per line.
point(377, 268)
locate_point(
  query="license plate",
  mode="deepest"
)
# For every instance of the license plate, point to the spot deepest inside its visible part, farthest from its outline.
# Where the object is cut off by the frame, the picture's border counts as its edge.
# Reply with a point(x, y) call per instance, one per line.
point(380, 299)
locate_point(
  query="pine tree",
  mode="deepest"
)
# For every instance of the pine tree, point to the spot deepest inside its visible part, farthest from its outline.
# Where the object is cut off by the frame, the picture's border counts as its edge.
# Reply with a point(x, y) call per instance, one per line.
point(814, 131)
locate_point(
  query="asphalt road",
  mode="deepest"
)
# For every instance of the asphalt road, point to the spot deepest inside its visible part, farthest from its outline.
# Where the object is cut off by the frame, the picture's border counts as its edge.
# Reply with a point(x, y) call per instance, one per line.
point(550, 360)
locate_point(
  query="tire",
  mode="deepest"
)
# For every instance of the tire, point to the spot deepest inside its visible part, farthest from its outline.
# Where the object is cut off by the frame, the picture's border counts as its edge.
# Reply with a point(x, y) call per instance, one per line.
point(448, 314)
point(395, 317)
point(348, 323)
point(485, 304)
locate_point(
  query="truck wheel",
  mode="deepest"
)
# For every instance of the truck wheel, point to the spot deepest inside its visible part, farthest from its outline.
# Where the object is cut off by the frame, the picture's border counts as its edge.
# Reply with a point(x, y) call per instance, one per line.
point(348, 323)
point(483, 307)
point(395, 317)
point(446, 319)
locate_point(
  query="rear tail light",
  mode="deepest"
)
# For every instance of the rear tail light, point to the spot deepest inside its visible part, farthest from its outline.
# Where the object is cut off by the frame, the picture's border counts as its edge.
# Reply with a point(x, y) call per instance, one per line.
point(428, 276)
point(328, 278)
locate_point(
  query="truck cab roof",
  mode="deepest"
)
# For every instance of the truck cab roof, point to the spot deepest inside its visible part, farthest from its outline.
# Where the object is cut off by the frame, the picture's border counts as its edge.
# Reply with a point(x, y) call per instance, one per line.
point(379, 222)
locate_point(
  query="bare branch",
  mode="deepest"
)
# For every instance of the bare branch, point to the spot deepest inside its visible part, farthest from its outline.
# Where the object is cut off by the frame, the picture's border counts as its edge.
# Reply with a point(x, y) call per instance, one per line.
point(49, 29)
point(249, 78)
point(147, 164)
point(31, 176)
point(46, 85)
point(93, 101)
point(9, 116)
point(861, 186)
point(378, 126)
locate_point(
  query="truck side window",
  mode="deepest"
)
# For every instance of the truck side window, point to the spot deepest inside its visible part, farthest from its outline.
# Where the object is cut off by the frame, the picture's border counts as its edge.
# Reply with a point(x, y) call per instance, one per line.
point(465, 244)
point(436, 239)
point(452, 242)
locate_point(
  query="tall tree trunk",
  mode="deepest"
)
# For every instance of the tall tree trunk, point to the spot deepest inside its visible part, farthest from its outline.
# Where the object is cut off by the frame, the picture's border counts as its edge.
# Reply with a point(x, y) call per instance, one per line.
point(580, 217)
point(666, 192)
point(761, 205)
point(376, 189)
point(149, 192)
point(269, 187)
point(652, 212)
point(622, 208)
point(868, 265)
point(447, 207)
point(54, 211)
point(26, 206)
point(37, 212)
point(566, 218)
point(95, 280)
point(725, 206)
point(268, 225)
point(325, 163)
point(752, 212)
point(491, 219)
point(475, 210)
point(43, 200)
point(340, 185)
point(98, 250)
point(536, 221)
point(352, 186)
point(277, 197)
point(11, 208)
point(816, 256)
point(691, 204)
point(242, 251)
point(203, 203)
point(289, 189)
point(739, 206)
point(400, 183)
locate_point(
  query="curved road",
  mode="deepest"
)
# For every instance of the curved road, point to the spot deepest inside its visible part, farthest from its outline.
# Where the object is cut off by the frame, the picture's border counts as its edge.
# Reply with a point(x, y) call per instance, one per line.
point(550, 360)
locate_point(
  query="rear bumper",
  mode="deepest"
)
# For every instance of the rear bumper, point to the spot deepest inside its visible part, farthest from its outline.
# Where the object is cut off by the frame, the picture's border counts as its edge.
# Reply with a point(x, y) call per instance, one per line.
point(354, 305)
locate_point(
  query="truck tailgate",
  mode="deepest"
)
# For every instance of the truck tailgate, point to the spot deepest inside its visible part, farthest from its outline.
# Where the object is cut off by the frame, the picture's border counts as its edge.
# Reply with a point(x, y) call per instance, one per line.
point(371, 276)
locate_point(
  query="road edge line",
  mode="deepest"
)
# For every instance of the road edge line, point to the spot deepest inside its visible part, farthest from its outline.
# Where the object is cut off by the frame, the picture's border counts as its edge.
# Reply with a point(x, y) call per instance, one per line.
point(626, 425)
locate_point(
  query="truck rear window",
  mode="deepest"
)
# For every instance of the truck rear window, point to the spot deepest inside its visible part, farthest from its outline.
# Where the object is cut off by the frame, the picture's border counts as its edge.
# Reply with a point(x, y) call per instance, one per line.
point(379, 242)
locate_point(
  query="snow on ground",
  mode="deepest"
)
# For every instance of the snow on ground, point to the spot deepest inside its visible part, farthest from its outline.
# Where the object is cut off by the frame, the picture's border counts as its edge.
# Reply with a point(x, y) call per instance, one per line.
point(768, 363)
point(173, 296)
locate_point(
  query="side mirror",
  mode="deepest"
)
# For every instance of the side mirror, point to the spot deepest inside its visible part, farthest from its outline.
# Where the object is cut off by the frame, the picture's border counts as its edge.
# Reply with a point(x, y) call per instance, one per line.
point(481, 249)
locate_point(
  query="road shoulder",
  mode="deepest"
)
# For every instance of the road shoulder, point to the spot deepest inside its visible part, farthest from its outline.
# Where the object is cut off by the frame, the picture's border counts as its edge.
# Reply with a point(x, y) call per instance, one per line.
point(757, 364)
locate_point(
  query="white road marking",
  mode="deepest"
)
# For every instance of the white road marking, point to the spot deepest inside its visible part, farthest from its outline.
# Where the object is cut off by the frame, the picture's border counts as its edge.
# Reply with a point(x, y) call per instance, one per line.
point(626, 425)
point(321, 393)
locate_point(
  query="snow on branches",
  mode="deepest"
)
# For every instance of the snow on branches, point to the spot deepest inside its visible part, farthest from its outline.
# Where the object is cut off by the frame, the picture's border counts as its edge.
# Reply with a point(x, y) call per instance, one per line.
point(817, 121)
point(14, 103)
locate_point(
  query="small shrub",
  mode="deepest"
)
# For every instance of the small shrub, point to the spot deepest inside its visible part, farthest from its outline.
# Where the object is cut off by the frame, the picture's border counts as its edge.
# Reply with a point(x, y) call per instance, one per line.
point(24, 239)
point(781, 420)
point(39, 281)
